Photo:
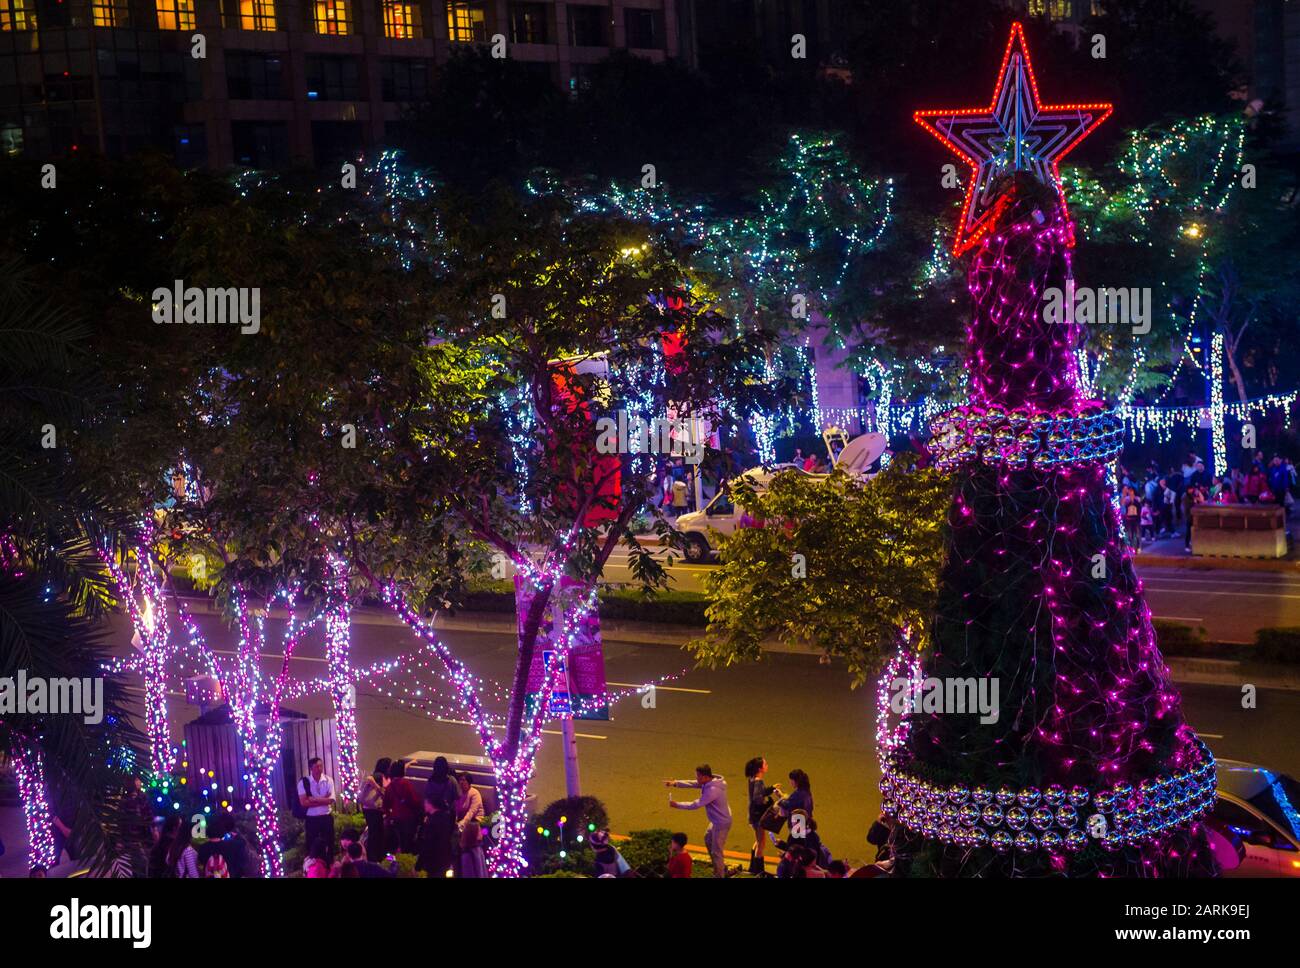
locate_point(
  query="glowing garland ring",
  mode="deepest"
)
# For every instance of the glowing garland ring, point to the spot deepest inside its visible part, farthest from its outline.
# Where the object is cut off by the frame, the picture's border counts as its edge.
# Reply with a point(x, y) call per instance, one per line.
point(1054, 820)
point(1018, 439)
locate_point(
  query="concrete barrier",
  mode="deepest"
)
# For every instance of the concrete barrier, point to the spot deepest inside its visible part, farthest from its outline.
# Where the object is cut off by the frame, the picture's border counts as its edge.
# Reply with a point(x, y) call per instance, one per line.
point(1239, 530)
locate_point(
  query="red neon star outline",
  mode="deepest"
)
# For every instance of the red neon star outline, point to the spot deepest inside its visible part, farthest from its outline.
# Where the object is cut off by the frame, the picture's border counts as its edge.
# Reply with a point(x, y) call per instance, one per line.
point(1016, 132)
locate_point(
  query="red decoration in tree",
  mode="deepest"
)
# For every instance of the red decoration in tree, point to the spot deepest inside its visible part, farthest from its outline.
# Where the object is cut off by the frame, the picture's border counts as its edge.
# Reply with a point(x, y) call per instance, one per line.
point(588, 469)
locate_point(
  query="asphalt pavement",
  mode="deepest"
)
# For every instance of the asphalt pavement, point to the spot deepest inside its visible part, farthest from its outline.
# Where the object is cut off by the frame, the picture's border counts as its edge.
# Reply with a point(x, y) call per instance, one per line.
point(1229, 604)
point(790, 709)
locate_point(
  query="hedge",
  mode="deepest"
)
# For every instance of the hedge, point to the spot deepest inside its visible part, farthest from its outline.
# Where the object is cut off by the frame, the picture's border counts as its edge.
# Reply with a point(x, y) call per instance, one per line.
point(1275, 645)
point(1278, 645)
point(616, 604)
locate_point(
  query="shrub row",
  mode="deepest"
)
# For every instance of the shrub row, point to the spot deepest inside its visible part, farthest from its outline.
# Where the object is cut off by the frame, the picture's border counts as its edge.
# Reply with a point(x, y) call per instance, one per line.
point(1278, 645)
point(616, 605)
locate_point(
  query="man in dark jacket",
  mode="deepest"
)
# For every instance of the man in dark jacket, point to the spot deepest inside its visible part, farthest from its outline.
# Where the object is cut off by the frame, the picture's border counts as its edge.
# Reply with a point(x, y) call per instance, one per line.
point(225, 840)
point(441, 785)
point(366, 868)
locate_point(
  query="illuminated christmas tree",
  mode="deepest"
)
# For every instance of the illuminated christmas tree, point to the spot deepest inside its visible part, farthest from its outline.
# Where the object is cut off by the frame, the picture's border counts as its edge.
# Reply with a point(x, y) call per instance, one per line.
point(1085, 767)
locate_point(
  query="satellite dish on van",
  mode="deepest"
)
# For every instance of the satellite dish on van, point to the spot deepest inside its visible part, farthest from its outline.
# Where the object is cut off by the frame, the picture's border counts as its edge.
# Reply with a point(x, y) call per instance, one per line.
point(861, 452)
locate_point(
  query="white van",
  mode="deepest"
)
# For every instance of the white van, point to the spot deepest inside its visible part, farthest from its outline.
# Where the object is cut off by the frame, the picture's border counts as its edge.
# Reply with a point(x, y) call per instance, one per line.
point(721, 516)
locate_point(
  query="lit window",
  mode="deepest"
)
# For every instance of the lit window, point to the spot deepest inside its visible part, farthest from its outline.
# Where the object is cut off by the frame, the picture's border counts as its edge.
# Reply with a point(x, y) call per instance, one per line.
point(175, 14)
point(401, 20)
point(17, 14)
point(109, 13)
point(256, 15)
point(332, 17)
point(466, 21)
point(1055, 9)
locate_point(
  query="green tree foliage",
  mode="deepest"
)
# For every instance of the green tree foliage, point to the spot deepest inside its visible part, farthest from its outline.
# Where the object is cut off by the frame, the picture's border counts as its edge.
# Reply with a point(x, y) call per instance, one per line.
point(1179, 213)
point(53, 518)
point(831, 563)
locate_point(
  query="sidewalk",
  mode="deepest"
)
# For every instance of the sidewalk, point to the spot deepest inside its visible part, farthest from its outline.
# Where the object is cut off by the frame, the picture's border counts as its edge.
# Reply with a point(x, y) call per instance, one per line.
point(701, 853)
point(1170, 552)
point(1167, 552)
point(635, 633)
point(14, 863)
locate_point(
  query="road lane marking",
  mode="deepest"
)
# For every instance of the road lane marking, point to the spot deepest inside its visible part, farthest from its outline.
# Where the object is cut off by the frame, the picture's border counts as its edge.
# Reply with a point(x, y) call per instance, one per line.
point(273, 655)
point(548, 732)
point(1207, 591)
point(1222, 581)
point(642, 685)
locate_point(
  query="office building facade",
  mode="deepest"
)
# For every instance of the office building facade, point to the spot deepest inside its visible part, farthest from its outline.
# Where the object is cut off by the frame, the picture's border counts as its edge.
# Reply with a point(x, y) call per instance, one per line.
point(270, 83)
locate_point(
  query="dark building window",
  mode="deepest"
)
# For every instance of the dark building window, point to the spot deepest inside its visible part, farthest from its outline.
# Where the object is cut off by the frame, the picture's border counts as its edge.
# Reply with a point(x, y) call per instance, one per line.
point(405, 79)
point(251, 76)
point(643, 30)
point(191, 145)
point(69, 87)
point(543, 72)
point(587, 26)
point(333, 79)
point(335, 140)
point(580, 77)
point(528, 23)
point(55, 14)
point(260, 144)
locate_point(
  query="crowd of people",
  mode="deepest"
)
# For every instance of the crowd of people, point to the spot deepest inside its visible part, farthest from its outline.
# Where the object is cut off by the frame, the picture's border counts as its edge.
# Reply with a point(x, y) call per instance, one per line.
point(1159, 505)
point(441, 825)
point(784, 821)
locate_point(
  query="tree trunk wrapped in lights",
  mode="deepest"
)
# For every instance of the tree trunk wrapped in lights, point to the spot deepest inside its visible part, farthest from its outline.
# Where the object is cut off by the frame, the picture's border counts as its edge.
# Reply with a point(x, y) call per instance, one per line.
point(1086, 768)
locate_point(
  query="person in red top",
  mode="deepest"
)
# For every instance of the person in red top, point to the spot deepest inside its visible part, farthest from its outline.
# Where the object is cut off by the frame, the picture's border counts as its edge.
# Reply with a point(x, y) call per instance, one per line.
point(402, 807)
point(679, 862)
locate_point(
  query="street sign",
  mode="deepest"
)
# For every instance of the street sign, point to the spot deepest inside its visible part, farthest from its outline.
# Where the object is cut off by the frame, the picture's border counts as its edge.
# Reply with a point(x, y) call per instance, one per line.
point(580, 690)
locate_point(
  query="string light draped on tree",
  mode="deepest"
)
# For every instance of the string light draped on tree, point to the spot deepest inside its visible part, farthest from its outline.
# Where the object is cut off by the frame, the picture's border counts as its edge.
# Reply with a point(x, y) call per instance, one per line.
point(1087, 768)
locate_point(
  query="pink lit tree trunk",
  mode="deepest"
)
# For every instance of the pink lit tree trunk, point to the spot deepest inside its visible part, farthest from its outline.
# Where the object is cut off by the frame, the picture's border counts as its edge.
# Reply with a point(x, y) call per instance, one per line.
point(37, 816)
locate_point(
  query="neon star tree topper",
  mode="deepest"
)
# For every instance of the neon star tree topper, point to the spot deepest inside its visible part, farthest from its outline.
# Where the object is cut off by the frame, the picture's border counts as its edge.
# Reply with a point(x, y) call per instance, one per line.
point(1016, 132)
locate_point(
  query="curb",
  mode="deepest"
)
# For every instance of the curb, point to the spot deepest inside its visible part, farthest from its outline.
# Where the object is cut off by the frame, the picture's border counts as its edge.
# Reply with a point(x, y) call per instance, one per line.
point(632, 633)
point(1191, 669)
point(1228, 672)
point(498, 623)
point(1282, 565)
point(701, 853)
point(641, 633)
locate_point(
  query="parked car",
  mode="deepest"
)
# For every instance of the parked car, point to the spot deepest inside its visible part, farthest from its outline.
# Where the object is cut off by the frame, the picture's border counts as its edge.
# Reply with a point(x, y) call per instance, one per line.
point(1262, 809)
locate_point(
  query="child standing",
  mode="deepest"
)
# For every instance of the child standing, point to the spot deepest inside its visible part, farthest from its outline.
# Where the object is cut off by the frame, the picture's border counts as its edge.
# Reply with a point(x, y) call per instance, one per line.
point(1148, 522)
point(1132, 522)
point(679, 862)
